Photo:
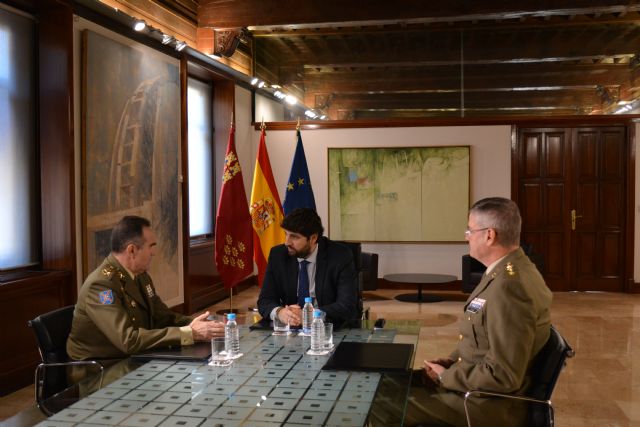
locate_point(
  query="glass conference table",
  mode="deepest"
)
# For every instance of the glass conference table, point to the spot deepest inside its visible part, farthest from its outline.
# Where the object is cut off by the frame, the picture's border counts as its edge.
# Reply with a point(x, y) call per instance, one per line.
point(274, 383)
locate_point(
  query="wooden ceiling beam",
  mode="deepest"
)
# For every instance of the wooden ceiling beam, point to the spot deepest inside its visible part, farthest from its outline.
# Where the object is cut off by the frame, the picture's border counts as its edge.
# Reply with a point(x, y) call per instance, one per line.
point(481, 47)
point(244, 13)
point(441, 80)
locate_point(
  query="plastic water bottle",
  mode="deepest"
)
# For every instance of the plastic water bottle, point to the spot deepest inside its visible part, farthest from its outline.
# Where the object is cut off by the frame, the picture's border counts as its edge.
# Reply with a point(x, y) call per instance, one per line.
point(317, 332)
point(307, 315)
point(231, 336)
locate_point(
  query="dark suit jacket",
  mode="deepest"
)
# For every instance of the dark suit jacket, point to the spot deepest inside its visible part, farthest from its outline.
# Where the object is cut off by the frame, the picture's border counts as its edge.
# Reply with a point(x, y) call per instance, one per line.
point(336, 281)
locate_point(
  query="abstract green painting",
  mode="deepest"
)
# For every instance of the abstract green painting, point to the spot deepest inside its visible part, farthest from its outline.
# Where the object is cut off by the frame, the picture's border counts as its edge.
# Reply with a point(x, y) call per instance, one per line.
point(409, 194)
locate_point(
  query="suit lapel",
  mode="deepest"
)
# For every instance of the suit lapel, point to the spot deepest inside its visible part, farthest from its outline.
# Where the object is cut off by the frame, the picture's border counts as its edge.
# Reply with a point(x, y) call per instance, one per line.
point(130, 286)
point(486, 280)
point(321, 270)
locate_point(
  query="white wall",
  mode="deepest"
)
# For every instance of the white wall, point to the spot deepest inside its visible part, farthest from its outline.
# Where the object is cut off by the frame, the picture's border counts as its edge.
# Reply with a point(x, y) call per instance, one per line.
point(490, 146)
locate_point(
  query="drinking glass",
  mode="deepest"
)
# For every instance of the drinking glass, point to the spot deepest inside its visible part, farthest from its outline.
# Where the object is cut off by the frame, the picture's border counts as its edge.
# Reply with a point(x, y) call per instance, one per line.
point(280, 327)
point(328, 336)
point(218, 353)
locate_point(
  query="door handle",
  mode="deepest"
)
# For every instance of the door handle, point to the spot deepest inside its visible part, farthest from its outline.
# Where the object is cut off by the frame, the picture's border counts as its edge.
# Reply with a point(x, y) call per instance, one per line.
point(573, 218)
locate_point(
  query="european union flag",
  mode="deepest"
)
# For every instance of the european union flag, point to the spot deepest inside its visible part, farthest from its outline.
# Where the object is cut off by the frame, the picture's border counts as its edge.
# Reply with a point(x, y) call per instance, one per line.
point(298, 193)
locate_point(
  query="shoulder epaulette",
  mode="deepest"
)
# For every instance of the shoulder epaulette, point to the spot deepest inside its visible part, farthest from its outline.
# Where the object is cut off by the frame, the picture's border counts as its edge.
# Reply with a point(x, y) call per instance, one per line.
point(109, 271)
point(510, 269)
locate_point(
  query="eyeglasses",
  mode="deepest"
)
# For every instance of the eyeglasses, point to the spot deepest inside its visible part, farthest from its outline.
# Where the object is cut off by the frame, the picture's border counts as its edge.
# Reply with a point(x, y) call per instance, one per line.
point(468, 232)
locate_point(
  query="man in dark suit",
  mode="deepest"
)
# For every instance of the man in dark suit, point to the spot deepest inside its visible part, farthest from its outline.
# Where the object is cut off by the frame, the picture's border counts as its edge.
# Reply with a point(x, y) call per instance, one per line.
point(308, 264)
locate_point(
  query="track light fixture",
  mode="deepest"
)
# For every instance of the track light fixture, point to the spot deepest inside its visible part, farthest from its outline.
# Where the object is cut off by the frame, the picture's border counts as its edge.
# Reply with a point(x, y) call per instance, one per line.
point(166, 39)
point(291, 99)
point(180, 45)
point(139, 25)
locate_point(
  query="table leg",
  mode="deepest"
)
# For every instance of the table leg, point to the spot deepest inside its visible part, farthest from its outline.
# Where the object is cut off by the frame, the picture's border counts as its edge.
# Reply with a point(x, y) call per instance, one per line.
point(419, 292)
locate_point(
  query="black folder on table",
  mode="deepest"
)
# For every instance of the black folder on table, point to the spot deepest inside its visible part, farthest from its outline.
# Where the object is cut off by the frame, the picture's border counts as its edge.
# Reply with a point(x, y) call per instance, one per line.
point(369, 356)
point(198, 352)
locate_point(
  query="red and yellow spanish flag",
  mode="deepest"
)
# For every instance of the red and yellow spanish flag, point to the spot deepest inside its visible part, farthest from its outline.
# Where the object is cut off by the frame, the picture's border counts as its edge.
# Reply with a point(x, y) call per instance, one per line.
point(234, 241)
point(266, 210)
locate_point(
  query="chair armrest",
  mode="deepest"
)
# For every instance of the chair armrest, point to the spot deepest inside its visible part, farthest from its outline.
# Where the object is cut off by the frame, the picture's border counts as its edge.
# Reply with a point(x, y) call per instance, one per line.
point(41, 368)
point(480, 393)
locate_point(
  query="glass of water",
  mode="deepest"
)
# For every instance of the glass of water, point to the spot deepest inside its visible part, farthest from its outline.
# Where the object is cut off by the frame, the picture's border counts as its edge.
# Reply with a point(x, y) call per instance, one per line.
point(280, 327)
point(218, 353)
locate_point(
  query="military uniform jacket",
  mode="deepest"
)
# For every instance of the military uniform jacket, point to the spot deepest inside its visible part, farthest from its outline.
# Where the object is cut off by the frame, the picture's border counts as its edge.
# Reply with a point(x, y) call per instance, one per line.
point(506, 322)
point(116, 316)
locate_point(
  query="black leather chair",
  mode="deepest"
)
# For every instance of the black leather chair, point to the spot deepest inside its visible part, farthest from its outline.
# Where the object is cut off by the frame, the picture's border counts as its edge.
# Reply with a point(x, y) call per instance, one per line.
point(472, 271)
point(52, 330)
point(545, 372)
point(369, 271)
point(356, 250)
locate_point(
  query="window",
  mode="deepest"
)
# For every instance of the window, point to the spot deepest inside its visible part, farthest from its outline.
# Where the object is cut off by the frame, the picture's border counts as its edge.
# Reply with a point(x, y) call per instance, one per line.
point(18, 172)
point(200, 126)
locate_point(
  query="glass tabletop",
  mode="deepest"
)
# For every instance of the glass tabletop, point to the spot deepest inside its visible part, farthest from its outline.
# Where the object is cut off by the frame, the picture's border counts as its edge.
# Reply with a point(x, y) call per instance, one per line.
point(275, 383)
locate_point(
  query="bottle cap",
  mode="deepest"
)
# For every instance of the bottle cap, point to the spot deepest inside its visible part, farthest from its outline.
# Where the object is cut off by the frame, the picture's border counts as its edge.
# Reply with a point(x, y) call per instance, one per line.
point(317, 313)
point(231, 316)
point(307, 299)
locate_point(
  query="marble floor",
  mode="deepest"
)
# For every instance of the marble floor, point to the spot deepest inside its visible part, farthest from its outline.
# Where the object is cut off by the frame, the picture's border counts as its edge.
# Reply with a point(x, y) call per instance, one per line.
point(599, 387)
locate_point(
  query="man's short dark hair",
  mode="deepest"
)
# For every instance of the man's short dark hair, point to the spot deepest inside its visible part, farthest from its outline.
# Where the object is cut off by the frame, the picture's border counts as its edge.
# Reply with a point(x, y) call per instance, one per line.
point(128, 230)
point(303, 221)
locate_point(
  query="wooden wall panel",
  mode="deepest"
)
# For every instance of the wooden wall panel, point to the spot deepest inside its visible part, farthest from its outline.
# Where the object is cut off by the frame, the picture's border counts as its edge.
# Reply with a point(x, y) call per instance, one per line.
point(555, 152)
point(55, 93)
point(20, 301)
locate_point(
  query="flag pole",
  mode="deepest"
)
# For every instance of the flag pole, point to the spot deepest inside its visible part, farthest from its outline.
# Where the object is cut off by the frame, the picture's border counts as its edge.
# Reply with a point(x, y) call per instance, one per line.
point(223, 311)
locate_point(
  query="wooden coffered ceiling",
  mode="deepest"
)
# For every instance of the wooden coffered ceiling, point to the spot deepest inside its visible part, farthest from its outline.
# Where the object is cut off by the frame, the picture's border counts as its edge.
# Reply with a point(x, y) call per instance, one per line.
point(407, 58)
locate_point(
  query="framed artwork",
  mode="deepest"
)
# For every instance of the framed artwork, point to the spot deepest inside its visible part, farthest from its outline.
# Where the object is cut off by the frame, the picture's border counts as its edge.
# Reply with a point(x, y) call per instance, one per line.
point(408, 194)
point(131, 152)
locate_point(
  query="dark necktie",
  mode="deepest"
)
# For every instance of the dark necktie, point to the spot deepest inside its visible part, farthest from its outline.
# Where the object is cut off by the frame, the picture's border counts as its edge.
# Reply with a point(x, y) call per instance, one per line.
point(303, 282)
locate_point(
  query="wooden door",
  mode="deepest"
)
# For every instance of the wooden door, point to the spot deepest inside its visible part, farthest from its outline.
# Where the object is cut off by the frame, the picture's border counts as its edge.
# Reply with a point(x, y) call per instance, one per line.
point(557, 171)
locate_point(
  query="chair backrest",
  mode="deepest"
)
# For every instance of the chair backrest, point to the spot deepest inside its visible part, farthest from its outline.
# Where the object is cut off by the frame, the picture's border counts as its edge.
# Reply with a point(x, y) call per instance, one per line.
point(369, 271)
point(356, 250)
point(547, 365)
point(52, 330)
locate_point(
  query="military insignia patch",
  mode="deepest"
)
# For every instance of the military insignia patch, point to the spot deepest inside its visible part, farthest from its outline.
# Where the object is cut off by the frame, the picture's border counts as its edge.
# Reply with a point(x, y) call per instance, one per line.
point(106, 297)
point(510, 270)
point(108, 271)
point(149, 290)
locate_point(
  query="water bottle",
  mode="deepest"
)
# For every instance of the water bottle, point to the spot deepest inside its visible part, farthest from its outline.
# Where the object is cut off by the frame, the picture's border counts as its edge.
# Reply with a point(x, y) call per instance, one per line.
point(307, 315)
point(317, 332)
point(231, 336)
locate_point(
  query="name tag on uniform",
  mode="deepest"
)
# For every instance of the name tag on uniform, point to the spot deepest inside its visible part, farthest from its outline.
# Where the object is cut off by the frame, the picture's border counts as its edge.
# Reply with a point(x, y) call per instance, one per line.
point(476, 305)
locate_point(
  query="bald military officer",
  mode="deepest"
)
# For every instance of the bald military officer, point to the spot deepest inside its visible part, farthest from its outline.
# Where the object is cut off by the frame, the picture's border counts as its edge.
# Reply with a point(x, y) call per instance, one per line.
point(118, 312)
point(506, 322)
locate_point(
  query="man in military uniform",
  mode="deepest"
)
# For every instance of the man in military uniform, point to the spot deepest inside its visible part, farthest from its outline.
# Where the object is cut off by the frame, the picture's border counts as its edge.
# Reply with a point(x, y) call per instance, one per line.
point(506, 322)
point(118, 312)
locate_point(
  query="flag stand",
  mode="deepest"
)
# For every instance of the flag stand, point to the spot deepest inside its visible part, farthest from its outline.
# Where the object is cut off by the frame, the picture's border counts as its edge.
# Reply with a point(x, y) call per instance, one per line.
point(230, 309)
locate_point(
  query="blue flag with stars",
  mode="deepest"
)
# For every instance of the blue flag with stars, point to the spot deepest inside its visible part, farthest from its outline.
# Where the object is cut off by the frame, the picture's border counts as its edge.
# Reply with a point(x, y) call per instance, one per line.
point(298, 193)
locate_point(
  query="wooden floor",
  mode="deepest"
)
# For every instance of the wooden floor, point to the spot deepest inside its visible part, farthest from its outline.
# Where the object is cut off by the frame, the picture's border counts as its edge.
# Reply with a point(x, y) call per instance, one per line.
point(599, 387)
